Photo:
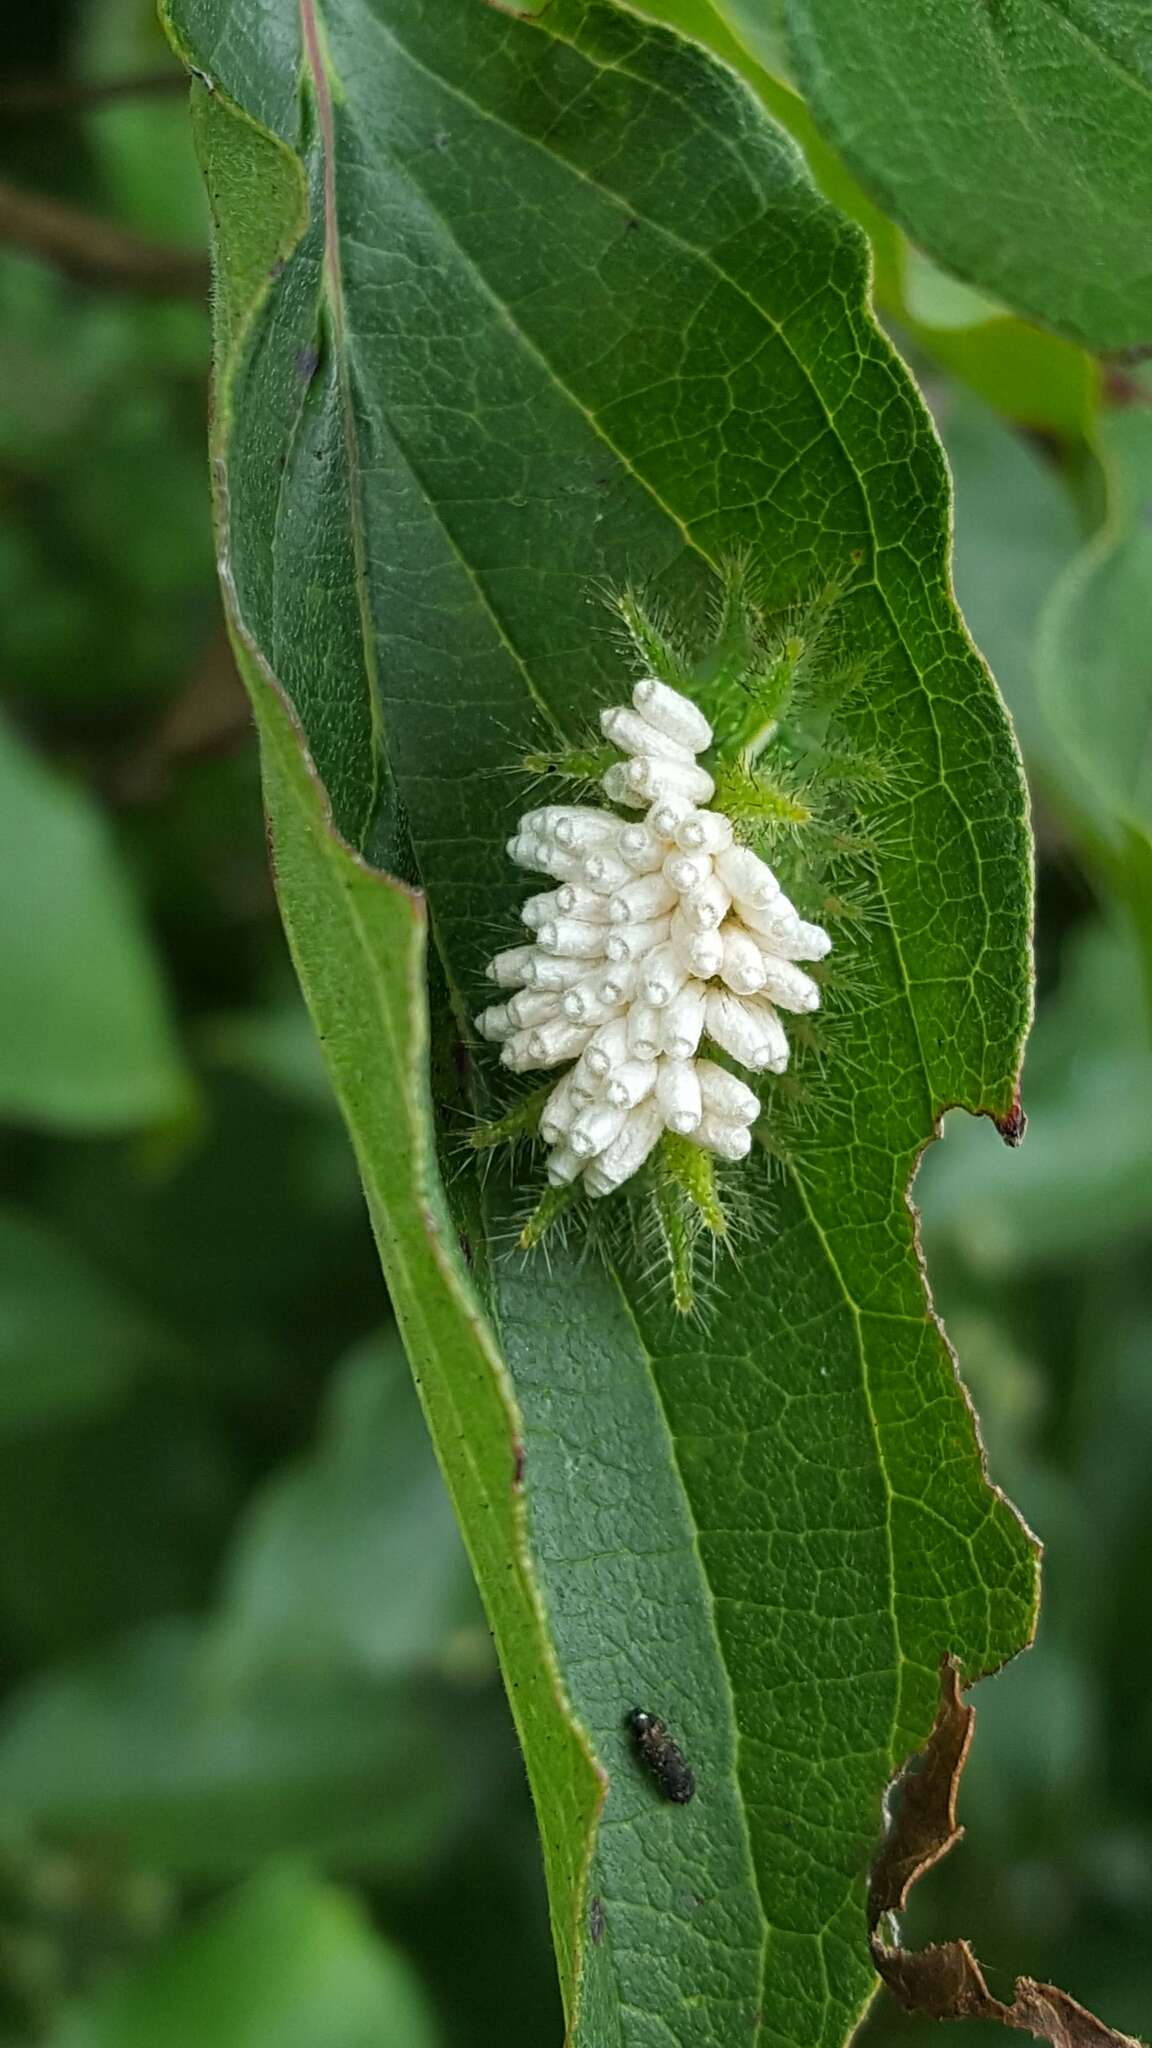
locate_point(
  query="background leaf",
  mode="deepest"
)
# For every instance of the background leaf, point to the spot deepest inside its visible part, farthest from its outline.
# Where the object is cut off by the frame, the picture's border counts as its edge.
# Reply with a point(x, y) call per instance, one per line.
point(285, 1962)
point(353, 1561)
point(85, 1041)
point(1093, 653)
point(771, 1535)
point(1094, 1135)
point(70, 1341)
point(1011, 142)
point(1096, 650)
point(148, 1749)
point(1030, 375)
point(1017, 531)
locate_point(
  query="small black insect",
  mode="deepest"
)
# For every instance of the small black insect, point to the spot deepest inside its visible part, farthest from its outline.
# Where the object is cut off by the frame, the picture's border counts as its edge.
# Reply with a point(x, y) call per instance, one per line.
point(662, 1755)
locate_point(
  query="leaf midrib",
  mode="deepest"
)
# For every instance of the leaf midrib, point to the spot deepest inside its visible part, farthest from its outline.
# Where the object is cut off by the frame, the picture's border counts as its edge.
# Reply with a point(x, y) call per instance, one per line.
point(334, 292)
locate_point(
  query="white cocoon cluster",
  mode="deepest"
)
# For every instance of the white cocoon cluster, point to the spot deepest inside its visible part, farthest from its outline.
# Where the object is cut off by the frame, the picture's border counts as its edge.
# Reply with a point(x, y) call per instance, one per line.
point(659, 933)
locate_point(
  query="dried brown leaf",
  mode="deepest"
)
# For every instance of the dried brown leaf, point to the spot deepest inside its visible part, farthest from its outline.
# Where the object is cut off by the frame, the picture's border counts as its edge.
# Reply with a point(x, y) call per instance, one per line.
point(945, 1982)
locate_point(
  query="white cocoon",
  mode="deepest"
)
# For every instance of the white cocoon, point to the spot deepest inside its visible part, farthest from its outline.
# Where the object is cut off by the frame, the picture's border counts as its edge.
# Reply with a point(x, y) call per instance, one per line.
point(634, 734)
point(667, 813)
point(568, 938)
point(628, 1150)
point(748, 1029)
point(619, 787)
point(672, 713)
point(662, 976)
point(595, 1127)
point(747, 876)
point(587, 1004)
point(579, 831)
point(683, 1022)
point(635, 941)
point(706, 908)
point(678, 1095)
point(605, 873)
point(607, 1049)
point(509, 969)
point(559, 1110)
point(789, 986)
point(727, 1140)
point(564, 1165)
point(650, 777)
point(704, 832)
point(640, 848)
point(644, 897)
point(743, 967)
point(576, 899)
point(547, 972)
point(644, 1031)
point(496, 1023)
point(687, 871)
point(559, 1039)
point(531, 1006)
point(630, 1082)
point(725, 1095)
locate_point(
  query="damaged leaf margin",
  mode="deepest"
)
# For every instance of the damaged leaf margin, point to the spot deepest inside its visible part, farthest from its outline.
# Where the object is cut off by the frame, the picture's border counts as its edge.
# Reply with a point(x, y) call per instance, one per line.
point(945, 1981)
point(777, 1842)
point(352, 927)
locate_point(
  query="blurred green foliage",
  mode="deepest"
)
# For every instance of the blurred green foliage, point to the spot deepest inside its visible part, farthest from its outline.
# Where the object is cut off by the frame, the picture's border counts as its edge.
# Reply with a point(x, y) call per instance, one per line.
point(258, 1787)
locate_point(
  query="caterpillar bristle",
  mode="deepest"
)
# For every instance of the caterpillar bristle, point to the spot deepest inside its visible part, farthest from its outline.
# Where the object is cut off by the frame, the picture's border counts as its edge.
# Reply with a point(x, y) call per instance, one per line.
point(760, 740)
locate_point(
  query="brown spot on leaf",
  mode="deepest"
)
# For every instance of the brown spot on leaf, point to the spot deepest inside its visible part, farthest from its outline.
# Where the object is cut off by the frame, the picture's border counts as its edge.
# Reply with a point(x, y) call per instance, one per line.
point(945, 1982)
point(1013, 1126)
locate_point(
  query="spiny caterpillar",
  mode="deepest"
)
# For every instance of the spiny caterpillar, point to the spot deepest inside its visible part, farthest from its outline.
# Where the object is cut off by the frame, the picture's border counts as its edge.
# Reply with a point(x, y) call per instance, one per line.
point(672, 932)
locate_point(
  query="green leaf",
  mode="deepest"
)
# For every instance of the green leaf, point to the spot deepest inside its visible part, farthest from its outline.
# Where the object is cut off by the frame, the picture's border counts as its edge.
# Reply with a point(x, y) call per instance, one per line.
point(1097, 649)
point(1011, 142)
point(358, 942)
point(275, 1045)
point(71, 1343)
point(85, 1041)
point(109, 1519)
point(1032, 376)
point(1095, 665)
point(761, 26)
point(1016, 533)
point(564, 310)
point(352, 1560)
point(286, 1962)
point(148, 1747)
point(749, 35)
point(1090, 1104)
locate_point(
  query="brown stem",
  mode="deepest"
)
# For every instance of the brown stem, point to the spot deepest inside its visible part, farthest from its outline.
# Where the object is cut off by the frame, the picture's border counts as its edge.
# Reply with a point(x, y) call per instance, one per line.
point(94, 251)
point(60, 95)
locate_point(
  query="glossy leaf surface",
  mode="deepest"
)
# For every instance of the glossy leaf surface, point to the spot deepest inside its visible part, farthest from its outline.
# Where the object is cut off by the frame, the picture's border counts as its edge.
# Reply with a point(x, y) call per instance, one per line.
point(1012, 141)
point(85, 1040)
point(541, 304)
